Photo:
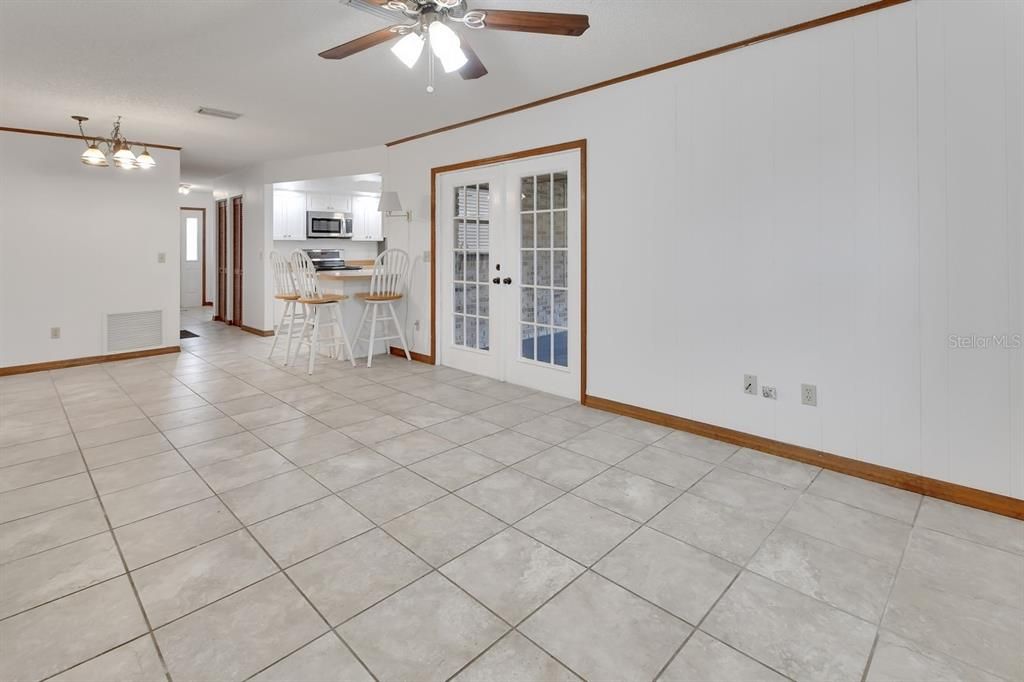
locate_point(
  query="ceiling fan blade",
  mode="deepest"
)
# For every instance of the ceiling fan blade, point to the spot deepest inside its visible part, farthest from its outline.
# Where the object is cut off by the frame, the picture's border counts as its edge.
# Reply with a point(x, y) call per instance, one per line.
point(474, 68)
point(359, 44)
point(536, 22)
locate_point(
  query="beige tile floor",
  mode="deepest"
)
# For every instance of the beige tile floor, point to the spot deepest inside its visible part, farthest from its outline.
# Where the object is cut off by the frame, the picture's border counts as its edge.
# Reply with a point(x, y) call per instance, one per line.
point(212, 516)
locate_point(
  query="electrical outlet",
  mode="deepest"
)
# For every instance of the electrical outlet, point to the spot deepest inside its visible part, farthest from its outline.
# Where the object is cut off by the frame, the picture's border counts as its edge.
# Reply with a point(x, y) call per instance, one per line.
point(426, 256)
point(769, 392)
point(750, 384)
point(809, 394)
point(54, 332)
point(416, 325)
point(161, 257)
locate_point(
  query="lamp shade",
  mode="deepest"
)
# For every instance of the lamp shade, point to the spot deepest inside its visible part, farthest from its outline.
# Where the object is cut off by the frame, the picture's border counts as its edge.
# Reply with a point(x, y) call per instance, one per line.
point(408, 49)
point(389, 202)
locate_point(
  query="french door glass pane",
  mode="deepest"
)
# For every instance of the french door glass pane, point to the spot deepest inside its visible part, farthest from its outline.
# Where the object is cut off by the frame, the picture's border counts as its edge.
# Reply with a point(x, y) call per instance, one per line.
point(471, 266)
point(543, 252)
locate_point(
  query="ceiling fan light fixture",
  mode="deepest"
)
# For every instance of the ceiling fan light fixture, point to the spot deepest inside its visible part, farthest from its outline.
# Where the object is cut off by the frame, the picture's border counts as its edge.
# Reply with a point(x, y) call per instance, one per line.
point(446, 46)
point(409, 49)
point(94, 156)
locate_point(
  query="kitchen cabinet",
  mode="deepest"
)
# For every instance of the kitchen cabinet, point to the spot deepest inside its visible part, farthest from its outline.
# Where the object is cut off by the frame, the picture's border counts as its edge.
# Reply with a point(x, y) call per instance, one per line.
point(336, 203)
point(289, 215)
point(366, 220)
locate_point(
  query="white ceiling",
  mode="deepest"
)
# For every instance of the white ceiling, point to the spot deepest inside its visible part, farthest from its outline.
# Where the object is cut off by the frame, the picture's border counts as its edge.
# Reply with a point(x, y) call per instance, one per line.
point(156, 61)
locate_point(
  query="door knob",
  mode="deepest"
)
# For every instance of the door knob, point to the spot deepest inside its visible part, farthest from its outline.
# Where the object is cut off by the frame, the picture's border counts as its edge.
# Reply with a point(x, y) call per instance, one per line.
point(496, 280)
point(507, 280)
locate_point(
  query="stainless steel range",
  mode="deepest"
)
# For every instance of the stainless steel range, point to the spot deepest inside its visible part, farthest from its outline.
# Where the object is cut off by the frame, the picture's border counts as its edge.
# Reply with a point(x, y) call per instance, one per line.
point(329, 259)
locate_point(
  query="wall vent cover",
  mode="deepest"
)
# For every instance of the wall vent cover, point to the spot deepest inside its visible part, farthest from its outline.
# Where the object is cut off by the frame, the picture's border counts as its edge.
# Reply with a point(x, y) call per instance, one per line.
point(134, 331)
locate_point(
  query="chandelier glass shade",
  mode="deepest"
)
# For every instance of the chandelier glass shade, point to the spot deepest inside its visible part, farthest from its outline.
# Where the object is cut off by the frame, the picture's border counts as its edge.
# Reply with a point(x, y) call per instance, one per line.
point(118, 149)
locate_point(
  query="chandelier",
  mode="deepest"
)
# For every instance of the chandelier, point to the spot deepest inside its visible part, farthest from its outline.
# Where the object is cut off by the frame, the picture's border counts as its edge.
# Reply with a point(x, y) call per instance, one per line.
point(117, 148)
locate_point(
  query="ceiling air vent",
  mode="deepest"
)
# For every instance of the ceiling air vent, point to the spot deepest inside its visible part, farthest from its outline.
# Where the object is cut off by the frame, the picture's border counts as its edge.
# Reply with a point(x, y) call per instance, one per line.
point(134, 331)
point(219, 113)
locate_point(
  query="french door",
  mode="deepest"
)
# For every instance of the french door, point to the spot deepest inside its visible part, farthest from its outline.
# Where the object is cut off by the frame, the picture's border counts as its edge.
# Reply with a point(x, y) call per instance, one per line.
point(509, 253)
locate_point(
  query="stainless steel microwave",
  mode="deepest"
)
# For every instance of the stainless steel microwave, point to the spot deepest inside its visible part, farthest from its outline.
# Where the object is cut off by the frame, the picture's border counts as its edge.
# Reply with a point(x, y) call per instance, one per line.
point(328, 225)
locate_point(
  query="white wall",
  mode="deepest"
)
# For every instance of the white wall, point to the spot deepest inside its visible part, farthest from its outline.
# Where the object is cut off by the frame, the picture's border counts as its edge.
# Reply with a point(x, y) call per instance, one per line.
point(825, 208)
point(204, 199)
point(77, 243)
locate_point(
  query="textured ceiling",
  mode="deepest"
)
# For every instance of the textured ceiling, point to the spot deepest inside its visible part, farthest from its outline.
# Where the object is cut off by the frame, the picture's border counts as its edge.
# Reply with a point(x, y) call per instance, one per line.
point(155, 61)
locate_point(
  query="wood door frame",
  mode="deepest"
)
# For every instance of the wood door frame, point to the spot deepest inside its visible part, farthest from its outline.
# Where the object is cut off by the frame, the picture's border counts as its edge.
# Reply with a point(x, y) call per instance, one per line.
point(575, 145)
point(237, 261)
point(220, 312)
point(202, 250)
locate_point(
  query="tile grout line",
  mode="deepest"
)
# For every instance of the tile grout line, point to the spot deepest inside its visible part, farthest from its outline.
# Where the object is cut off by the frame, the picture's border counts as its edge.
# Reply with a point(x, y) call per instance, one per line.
point(124, 563)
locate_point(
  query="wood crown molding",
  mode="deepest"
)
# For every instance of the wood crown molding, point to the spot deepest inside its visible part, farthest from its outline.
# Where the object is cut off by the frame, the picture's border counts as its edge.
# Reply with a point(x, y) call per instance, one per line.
point(50, 133)
point(87, 360)
point(779, 33)
point(943, 490)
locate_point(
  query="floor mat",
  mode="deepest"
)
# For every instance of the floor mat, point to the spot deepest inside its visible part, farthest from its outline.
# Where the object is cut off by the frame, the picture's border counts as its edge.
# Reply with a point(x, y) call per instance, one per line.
point(186, 334)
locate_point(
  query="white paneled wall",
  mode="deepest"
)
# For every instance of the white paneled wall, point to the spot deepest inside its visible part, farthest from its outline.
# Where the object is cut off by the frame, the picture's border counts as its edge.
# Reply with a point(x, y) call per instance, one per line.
point(826, 208)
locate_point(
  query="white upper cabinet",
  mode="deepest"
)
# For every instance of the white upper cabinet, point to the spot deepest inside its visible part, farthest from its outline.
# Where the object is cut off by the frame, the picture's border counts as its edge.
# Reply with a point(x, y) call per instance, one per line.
point(337, 203)
point(366, 220)
point(289, 215)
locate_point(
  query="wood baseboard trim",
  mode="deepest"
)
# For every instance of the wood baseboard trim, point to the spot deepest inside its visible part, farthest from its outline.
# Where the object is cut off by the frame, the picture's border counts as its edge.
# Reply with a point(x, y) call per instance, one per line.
point(943, 490)
point(418, 357)
point(257, 332)
point(88, 360)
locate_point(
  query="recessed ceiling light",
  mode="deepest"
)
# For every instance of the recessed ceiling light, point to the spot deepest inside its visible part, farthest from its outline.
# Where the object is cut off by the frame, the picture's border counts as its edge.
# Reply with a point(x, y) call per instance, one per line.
point(219, 113)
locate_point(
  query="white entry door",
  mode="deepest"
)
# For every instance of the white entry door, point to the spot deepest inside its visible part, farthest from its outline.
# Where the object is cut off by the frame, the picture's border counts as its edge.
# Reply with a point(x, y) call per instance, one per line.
point(510, 272)
point(191, 258)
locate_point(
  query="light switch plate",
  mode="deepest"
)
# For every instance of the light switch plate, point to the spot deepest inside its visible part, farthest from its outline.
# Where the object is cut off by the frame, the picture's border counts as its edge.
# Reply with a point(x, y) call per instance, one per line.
point(161, 257)
point(54, 332)
point(750, 384)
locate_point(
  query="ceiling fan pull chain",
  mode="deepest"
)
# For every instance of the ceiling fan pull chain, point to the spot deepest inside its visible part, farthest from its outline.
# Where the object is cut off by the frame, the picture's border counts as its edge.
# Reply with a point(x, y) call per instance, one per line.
point(430, 65)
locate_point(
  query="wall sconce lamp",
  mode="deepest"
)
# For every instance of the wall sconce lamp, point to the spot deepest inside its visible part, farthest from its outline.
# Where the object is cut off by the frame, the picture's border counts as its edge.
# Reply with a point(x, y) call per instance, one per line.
point(391, 207)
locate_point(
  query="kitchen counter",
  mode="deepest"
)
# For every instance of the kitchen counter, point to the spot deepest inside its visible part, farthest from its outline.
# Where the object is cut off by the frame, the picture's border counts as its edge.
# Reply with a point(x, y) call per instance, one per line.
point(333, 275)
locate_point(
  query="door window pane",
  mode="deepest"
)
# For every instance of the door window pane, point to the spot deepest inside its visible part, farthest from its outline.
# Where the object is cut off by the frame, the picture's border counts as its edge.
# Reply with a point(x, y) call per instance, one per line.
point(543, 268)
point(526, 304)
point(528, 331)
point(559, 190)
point(560, 230)
point(560, 309)
point(192, 239)
point(471, 301)
point(483, 341)
point(544, 230)
point(527, 268)
point(526, 194)
point(484, 300)
point(527, 231)
point(543, 192)
point(543, 306)
point(543, 344)
point(559, 269)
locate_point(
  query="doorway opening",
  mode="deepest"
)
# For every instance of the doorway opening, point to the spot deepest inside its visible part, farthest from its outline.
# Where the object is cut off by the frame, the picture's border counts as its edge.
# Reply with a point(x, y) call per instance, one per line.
point(193, 257)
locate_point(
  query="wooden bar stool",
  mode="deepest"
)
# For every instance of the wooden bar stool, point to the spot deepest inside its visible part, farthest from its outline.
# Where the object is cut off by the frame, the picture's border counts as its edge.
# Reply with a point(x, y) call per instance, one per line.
point(321, 310)
point(284, 290)
point(390, 276)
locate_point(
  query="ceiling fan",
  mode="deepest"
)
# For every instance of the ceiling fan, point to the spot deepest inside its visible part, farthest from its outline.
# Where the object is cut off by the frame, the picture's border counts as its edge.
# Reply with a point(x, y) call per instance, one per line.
point(429, 25)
